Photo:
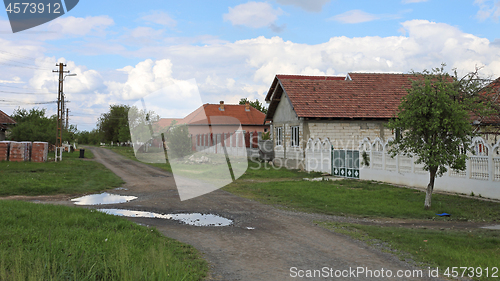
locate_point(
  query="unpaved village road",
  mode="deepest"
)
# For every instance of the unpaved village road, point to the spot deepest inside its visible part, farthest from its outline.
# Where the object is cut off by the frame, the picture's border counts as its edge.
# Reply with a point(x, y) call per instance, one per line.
point(281, 240)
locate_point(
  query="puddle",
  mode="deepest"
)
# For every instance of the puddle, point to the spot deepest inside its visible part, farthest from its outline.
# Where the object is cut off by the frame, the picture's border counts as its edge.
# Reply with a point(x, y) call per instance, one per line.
point(121, 188)
point(250, 228)
point(195, 219)
point(494, 227)
point(103, 198)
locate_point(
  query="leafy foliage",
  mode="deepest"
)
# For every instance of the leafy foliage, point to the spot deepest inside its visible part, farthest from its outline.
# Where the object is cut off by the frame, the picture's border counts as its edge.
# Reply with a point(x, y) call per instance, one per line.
point(178, 141)
point(255, 104)
point(113, 125)
point(434, 119)
point(33, 125)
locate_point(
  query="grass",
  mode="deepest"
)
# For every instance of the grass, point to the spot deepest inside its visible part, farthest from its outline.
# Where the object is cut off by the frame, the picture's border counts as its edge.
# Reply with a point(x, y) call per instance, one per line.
point(437, 248)
point(364, 199)
point(256, 169)
point(45, 242)
point(128, 152)
point(70, 176)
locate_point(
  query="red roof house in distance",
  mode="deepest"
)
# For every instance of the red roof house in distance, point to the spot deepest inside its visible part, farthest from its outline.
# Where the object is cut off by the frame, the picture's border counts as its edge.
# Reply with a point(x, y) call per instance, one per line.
point(221, 118)
point(5, 122)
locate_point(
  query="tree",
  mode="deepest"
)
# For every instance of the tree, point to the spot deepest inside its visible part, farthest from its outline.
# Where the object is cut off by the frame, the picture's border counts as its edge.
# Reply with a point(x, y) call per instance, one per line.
point(255, 104)
point(113, 125)
point(435, 121)
point(178, 140)
point(33, 125)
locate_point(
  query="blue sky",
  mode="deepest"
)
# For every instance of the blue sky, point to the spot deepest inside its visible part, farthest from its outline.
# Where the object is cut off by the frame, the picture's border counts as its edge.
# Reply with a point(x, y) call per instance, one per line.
point(124, 50)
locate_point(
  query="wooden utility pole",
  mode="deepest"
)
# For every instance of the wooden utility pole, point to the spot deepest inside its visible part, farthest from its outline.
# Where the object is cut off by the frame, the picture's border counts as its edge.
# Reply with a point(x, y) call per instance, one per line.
point(60, 104)
point(67, 118)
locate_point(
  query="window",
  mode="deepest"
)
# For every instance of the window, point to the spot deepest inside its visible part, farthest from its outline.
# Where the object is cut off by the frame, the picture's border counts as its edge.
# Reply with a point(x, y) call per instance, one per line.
point(279, 136)
point(295, 136)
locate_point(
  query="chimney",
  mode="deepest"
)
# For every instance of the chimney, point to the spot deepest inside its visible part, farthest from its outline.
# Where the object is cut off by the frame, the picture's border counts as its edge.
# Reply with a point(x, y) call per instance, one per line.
point(221, 106)
point(247, 106)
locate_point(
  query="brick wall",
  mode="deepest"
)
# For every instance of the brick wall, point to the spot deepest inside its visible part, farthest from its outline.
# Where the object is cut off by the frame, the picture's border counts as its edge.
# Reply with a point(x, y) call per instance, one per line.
point(4, 150)
point(19, 151)
point(39, 151)
point(348, 134)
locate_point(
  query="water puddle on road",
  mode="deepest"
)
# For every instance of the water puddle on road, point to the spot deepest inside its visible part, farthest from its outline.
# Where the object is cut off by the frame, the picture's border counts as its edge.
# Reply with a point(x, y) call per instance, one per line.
point(195, 219)
point(103, 198)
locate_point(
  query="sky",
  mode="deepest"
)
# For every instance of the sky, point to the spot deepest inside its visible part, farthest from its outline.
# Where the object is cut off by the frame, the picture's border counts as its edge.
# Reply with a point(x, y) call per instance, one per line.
point(220, 50)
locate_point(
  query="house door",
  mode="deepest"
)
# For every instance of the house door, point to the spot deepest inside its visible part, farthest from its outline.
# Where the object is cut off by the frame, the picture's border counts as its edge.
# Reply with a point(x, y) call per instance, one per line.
point(345, 163)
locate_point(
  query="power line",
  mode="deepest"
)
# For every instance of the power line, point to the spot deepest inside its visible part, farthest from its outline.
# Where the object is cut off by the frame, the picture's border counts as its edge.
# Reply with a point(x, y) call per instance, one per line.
point(19, 93)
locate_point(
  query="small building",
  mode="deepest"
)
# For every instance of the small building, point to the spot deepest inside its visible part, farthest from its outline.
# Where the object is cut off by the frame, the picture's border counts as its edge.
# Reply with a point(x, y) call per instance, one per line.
point(344, 109)
point(5, 122)
point(221, 118)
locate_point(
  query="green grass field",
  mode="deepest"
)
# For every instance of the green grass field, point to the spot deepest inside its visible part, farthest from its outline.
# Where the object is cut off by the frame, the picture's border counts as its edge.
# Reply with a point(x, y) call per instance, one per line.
point(45, 242)
point(70, 176)
point(364, 199)
point(476, 248)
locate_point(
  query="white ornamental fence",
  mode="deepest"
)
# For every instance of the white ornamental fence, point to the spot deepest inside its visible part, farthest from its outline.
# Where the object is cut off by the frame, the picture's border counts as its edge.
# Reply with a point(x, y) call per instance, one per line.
point(481, 176)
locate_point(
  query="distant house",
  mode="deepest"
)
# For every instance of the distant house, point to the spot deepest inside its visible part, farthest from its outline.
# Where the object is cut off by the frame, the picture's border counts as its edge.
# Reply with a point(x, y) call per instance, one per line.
point(343, 109)
point(221, 118)
point(5, 122)
point(489, 127)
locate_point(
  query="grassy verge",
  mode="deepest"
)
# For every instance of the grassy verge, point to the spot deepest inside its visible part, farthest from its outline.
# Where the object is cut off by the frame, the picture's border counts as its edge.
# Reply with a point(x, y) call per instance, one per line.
point(256, 170)
point(476, 248)
point(128, 152)
point(364, 199)
point(70, 176)
point(45, 242)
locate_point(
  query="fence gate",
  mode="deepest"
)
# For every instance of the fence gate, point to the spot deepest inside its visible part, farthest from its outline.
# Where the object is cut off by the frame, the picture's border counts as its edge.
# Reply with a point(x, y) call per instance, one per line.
point(345, 163)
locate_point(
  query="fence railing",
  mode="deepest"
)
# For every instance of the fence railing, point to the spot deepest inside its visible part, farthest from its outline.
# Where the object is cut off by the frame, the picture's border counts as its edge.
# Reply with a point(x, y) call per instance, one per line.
point(238, 143)
point(483, 165)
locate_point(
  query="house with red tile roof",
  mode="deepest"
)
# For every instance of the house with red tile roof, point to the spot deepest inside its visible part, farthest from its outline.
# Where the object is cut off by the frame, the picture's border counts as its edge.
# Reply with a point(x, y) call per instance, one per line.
point(221, 118)
point(343, 109)
point(5, 122)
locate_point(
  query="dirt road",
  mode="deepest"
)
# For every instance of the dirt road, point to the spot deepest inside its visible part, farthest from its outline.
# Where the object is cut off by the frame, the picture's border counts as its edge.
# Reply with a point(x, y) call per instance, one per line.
point(263, 243)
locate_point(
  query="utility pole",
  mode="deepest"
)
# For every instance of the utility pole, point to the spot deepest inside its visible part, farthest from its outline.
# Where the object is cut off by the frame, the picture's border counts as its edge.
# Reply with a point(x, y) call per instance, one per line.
point(67, 118)
point(60, 111)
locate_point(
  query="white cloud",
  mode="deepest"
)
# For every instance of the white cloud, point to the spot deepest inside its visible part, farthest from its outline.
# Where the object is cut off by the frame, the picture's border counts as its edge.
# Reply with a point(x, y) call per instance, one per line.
point(253, 14)
point(80, 26)
point(160, 18)
point(145, 78)
point(488, 9)
point(310, 5)
point(354, 16)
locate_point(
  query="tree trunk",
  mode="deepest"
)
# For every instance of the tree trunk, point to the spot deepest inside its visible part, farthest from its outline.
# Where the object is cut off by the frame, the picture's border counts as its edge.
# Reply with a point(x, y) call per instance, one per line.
point(430, 188)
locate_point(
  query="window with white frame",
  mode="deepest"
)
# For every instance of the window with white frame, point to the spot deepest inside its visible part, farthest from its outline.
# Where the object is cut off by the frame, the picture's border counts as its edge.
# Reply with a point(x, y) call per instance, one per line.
point(279, 135)
point(295, 136)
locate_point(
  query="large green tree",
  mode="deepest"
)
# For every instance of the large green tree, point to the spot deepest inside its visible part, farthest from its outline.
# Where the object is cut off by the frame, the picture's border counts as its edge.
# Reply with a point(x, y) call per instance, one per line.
point(435, 121)
point(33, 125)
point(255, 104)
point(113, 125)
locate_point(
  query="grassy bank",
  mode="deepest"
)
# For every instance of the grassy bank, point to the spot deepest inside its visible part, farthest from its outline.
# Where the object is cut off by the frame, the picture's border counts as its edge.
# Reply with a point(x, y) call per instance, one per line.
point(128, 152)
point(45, 242)
point(364, 199)
point(71, 176)
point(256, 170)
point(476, 248)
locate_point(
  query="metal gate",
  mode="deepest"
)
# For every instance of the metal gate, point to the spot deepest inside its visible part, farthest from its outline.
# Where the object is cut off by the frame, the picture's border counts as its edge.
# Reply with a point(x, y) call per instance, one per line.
point(345, 163)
